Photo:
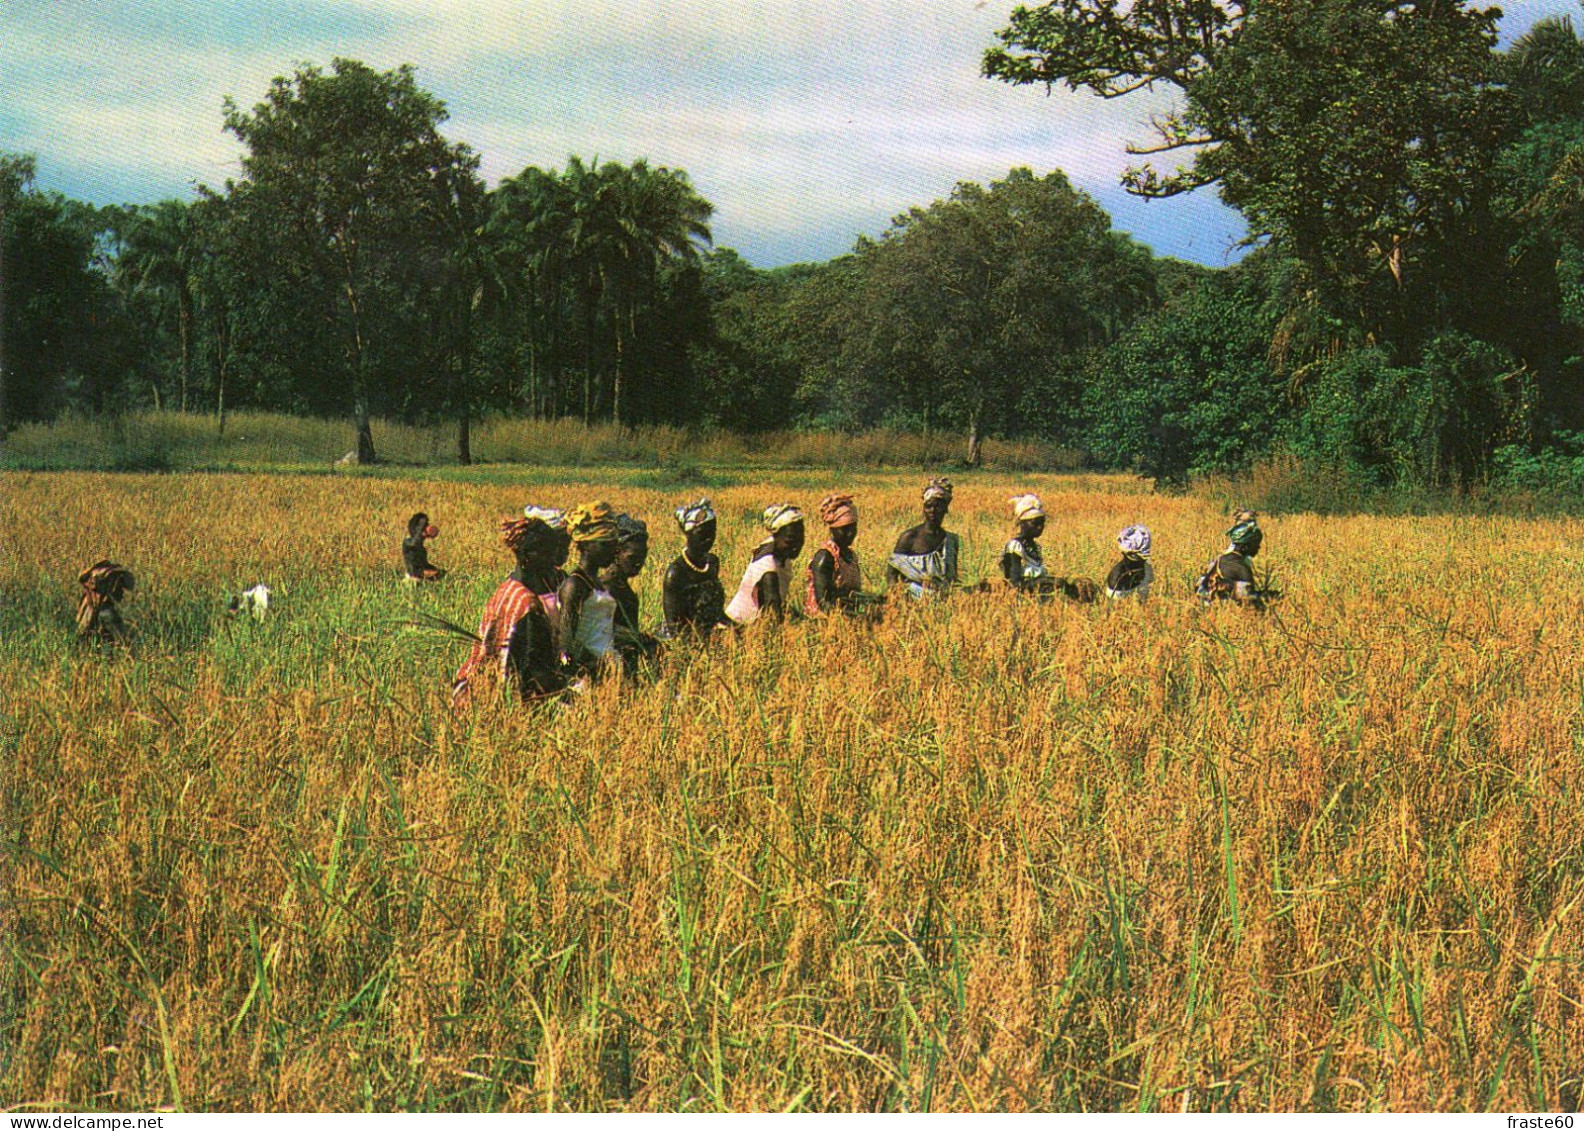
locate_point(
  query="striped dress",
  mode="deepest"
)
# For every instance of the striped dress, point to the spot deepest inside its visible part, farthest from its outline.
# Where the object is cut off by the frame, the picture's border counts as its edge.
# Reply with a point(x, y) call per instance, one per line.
point(505, 615)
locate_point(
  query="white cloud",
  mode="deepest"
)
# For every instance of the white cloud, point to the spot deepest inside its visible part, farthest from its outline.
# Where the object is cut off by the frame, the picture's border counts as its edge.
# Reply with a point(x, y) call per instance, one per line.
point(802, 120)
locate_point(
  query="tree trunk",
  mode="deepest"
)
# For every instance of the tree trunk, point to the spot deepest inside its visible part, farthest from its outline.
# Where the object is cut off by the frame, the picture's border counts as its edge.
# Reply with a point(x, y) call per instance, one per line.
point(464, 363)
point(616, 381)
point(3, 419)
point(184, 317)
point(360, 405)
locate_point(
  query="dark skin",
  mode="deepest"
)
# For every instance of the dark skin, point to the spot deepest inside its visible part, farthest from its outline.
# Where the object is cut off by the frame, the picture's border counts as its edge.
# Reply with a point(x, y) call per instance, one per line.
point(630, 559)
point(673, 593)
point(925, 538)
point(593, 558)
point(823, 566)
point(532, 653)
point(1029, 531)
point(786, 544)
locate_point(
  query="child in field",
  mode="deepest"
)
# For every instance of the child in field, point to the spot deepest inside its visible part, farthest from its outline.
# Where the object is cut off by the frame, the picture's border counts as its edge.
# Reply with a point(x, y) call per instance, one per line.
point(588, 611)
point(1230, 577)
point(692, 596)
point(415, 555)
point(104, 585)
point(516, 645)
point(1133, 575)
point(766, 587)
point(835, 579)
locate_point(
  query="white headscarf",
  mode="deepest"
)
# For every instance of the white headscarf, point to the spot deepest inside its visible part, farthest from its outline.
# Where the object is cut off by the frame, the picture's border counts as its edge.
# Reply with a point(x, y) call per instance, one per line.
point(554, 519)
point(1026, 507)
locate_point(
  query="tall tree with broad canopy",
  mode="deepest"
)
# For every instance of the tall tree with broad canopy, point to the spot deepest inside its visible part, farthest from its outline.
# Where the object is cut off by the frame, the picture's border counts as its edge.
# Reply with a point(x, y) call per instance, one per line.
point(971, 298)
point(349, 172)
point(1357, 134)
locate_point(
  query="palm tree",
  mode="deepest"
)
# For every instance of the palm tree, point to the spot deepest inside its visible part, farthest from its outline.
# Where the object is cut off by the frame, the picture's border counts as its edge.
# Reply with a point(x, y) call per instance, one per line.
point(655, 215)
point(156, 262)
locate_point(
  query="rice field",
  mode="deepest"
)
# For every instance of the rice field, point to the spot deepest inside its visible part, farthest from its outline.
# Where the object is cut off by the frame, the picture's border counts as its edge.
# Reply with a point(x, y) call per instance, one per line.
point(991, 854)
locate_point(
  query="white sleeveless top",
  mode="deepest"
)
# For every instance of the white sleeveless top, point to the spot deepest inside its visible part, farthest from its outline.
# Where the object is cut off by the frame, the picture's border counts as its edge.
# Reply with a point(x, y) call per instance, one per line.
point(744, 606)
point(596, 627)
point(1033, 564)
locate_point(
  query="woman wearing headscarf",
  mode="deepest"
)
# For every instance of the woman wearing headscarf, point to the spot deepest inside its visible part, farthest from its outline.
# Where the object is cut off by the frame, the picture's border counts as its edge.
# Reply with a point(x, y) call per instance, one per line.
point(632, 551)
point(766, 587)
point(925, 558)
point(415, 555)
point(516, 643)
point(1133, 575)
point(692, 596)
point(104, 584)
point(835, 579)
point(1022, 564)
point(1230, 577)
point(588, 611)
point(548, 571)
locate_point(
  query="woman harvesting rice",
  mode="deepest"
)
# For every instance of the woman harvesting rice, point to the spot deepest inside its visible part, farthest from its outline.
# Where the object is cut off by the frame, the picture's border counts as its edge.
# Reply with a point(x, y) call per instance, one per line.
point(692, 596)
point(925, 558)
point(588, 611)
point(766, 584)
point(835, 579)
point(516, 644)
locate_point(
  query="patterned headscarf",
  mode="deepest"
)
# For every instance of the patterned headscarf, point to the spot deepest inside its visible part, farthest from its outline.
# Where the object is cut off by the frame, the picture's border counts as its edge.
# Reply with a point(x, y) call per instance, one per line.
point(778, 515)
point(592, 522)
point(1026, 507)
point(691, 516)
point(838, 510)
point(550, 516)
point(515, 532)
point(938, 488)
point(1134, 542)
point(630, 529)
point(1245, 529)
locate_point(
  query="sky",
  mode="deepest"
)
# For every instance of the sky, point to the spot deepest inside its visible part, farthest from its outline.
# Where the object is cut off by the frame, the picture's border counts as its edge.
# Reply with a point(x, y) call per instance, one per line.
point(805, 122)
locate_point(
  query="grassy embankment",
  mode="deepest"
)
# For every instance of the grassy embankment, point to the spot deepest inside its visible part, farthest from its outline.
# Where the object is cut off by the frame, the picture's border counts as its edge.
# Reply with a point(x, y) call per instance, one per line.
point(258, 441)
point(991, 854)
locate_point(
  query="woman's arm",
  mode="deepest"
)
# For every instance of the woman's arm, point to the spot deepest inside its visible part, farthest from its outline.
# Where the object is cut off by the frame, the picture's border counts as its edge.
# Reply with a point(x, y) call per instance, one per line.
point(673, 596)
point(1012, 568)
point(573, 592)
point(768, 591)
point(823, 568)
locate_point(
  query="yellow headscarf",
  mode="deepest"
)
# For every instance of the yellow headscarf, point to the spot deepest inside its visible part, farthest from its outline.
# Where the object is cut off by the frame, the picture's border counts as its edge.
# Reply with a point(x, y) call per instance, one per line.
point(592, 522)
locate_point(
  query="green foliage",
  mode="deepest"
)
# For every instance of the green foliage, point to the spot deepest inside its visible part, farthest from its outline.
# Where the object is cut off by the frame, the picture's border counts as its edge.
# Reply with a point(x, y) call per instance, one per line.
point(1189, 389)
point(1435, 422)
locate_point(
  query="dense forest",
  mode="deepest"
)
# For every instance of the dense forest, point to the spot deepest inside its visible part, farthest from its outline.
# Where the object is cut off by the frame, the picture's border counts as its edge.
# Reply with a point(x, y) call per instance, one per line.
point(1411, 309)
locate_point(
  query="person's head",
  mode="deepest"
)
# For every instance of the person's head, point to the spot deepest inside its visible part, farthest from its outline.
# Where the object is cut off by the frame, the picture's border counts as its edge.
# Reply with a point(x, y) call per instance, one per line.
point(594, 533)
point(418, 527)
point(1134, 542)
point(840, 514)
point(1245, 533)
point(784, 523)
point(1029, 514)
point(697, 522)
point(531, 542)
point(632, 545)
point(937, 500)
point(559, 541)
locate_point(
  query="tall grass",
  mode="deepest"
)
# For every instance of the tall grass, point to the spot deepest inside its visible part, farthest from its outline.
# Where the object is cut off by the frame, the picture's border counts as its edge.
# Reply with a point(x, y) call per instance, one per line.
point(173, 441)
point(992, 854)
